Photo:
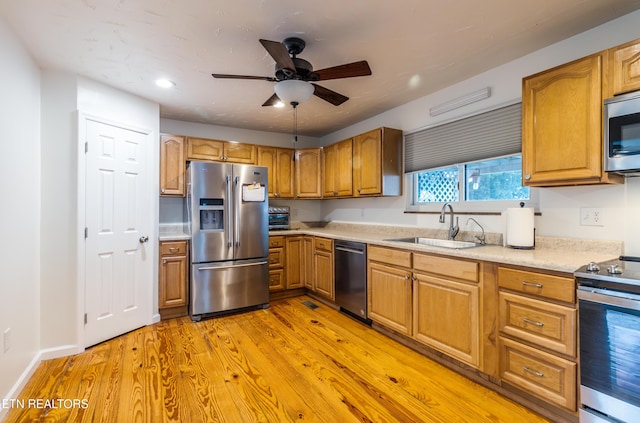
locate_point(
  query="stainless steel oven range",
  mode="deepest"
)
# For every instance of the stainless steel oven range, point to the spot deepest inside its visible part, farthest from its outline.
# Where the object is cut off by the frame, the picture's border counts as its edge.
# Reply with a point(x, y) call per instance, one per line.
point(609, 332)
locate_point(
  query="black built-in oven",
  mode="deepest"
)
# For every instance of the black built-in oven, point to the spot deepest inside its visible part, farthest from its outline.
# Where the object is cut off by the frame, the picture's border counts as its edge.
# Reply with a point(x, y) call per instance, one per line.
point(609, 333)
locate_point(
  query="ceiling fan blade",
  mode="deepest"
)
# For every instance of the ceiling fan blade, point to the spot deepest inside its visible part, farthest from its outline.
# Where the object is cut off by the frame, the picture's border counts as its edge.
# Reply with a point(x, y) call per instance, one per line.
point(272, 101)
point(348, 70)
point(263, 78)
point(280, 54)
point(327, 95)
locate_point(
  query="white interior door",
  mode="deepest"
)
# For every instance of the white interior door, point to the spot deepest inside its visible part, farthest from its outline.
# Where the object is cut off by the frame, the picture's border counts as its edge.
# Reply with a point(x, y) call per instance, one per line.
point(118, 272)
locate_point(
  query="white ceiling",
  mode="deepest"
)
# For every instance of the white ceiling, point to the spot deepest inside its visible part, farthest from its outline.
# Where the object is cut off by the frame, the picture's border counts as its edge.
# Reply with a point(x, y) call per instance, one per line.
point(414, 47)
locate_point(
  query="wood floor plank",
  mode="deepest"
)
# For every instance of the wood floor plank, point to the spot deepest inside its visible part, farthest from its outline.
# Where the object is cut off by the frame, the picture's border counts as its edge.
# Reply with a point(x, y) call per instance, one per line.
point(282, 364)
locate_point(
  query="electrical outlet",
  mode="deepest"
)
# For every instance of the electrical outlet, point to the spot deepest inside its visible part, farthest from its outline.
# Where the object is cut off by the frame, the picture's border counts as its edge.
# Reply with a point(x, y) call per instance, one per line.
point(7, 339)
point(591, 216)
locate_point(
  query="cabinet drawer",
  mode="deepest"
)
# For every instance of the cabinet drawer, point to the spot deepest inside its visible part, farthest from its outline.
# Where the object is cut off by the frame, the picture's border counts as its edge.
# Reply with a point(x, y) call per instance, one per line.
point(276, 279)
point(389, 255)
point(173, 248)
point(548, 325)
point(276, 257)
point(324, 244)
point(460, 269)
point(547, 286)
point(276, 241)
point(544, 375)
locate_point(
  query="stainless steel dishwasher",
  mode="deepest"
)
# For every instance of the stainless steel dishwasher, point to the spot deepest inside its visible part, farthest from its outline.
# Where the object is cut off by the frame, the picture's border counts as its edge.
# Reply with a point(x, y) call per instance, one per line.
point(351, 278)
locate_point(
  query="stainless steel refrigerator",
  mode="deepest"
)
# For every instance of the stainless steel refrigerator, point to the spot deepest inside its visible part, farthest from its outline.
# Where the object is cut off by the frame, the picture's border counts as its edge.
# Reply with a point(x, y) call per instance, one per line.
point(228, 219)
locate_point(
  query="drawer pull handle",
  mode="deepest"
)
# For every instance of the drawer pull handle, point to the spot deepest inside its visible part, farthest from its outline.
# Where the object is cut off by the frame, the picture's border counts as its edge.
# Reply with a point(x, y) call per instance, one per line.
point(535, 285)
point(173, 249)
point(533, 322)
point(533, 372)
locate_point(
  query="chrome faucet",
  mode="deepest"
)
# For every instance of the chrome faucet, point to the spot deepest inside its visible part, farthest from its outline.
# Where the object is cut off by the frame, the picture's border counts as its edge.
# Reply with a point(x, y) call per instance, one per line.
point(453, 230)
point(481, 237)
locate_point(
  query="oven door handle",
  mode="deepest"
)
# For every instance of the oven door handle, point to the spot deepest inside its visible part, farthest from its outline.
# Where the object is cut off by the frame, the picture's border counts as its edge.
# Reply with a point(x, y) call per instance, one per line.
point(614, 298)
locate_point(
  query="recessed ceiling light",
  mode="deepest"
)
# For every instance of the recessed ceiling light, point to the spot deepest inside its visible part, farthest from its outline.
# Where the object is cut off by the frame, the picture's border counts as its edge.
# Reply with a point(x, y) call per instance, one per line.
point(165, 83)
point(279, 104)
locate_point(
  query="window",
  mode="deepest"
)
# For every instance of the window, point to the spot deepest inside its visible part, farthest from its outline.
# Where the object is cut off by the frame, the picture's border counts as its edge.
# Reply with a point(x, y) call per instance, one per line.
point(487, 180)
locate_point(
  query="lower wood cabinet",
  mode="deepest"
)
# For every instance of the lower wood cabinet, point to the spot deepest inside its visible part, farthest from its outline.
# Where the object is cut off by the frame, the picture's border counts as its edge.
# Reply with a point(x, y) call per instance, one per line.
point(276, 263)
point(294, 262)
point(174, 276)
point(389, 293)
point(323, 267)
point(538, 335)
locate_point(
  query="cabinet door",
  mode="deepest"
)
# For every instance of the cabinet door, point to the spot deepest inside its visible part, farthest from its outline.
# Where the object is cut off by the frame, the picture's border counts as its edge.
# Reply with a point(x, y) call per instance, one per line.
point(308, 171)
point(172, 288)
point(344, 168)
point(367, 163)
point(205, 149)
point(562, 124)
point(267, 156)
point(237, 152)
point(329, 171)
point(389, 296)
point(293, 262)
point(625, 67)
point(172, 165)
point(447, 317)
point(323, 263)
point(308, 263)
point(285, 173)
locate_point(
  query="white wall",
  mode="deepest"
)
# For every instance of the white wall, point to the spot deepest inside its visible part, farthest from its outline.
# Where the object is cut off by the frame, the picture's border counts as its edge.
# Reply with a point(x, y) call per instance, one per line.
point(63, 97)
point(19, 210)
point(560, 207)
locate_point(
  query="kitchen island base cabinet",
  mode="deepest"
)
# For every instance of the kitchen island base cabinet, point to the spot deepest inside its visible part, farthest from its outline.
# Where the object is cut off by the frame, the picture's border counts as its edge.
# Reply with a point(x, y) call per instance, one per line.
point(173, 281)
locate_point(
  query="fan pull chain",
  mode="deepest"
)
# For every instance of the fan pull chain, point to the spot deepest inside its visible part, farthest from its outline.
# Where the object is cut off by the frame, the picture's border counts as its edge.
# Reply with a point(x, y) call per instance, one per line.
point(295, 121)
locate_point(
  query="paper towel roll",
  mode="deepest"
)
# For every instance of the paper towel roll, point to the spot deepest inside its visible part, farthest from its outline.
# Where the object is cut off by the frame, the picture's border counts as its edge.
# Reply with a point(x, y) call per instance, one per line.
point(520, 232)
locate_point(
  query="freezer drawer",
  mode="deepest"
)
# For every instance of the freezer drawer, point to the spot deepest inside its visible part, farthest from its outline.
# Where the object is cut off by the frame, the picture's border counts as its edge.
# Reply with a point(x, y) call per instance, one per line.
point(225, 286)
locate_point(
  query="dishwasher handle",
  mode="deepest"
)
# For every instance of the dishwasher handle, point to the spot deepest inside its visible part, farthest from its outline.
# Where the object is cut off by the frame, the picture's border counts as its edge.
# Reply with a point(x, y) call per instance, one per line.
point(348, 250)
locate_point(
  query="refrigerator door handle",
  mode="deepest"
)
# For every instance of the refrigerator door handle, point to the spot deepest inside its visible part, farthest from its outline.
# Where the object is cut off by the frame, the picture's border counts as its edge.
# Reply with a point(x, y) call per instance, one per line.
point(227, 229)
point(232, 266)
point(236, 209)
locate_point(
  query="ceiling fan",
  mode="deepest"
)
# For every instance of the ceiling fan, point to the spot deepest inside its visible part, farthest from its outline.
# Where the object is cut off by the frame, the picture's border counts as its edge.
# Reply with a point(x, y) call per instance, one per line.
point(294, 76)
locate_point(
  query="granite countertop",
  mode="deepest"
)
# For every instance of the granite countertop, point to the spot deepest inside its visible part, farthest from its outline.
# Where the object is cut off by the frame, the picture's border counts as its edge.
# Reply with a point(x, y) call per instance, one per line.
point(173, 232)
point(557, 254)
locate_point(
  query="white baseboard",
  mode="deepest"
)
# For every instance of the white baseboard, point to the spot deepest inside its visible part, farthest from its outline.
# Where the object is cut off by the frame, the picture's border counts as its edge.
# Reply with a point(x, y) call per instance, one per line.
point(21, 382)
point(155, 318)
point(61, 351)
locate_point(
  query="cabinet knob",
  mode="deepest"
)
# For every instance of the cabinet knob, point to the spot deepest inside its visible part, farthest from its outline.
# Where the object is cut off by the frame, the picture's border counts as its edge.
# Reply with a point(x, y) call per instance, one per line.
point(407, 277)
point(527, 176)
point(162, 190)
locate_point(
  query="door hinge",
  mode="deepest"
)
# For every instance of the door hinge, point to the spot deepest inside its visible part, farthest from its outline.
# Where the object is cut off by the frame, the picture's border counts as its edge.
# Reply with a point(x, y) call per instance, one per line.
point(86, 147)
point(86, 233)
point(85, 318)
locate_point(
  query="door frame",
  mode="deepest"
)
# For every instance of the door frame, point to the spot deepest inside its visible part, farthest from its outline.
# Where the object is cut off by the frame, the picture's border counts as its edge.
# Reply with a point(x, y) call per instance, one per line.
point(151, 304)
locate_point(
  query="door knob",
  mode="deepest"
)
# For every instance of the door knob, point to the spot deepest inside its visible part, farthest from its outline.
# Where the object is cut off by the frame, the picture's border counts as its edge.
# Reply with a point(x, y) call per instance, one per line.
point(144, 239)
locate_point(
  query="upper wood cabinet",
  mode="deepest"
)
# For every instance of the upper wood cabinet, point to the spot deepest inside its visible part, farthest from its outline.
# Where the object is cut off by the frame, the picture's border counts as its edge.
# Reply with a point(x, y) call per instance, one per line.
point(172, 165)
point(562, 124)
point(222, 151)
point(337, 169)
point(308, 173)
point(280, 163)
point(625, 67)
point(377, 162)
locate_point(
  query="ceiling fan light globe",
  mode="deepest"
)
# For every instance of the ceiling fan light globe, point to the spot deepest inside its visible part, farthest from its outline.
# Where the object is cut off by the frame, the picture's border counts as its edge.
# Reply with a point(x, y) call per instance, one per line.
point(293, 91)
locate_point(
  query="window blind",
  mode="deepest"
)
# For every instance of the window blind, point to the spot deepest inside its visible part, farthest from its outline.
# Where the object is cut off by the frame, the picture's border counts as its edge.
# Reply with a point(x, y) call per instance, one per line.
point(486, 135)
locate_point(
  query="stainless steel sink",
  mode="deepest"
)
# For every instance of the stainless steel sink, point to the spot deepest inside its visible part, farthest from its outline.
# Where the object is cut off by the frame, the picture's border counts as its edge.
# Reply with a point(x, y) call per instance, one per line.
point(435, 242)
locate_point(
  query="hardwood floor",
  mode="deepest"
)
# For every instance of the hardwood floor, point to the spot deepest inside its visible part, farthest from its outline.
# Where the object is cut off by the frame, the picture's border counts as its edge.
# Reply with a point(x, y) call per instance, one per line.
point(282, 364)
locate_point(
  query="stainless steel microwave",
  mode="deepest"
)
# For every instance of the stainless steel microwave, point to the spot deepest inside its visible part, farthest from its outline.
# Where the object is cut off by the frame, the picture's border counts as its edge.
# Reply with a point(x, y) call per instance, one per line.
point(622, 133)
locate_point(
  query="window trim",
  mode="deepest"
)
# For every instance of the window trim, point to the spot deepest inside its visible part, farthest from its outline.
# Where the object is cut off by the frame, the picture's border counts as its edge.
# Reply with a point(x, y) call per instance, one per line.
point(463, 205)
